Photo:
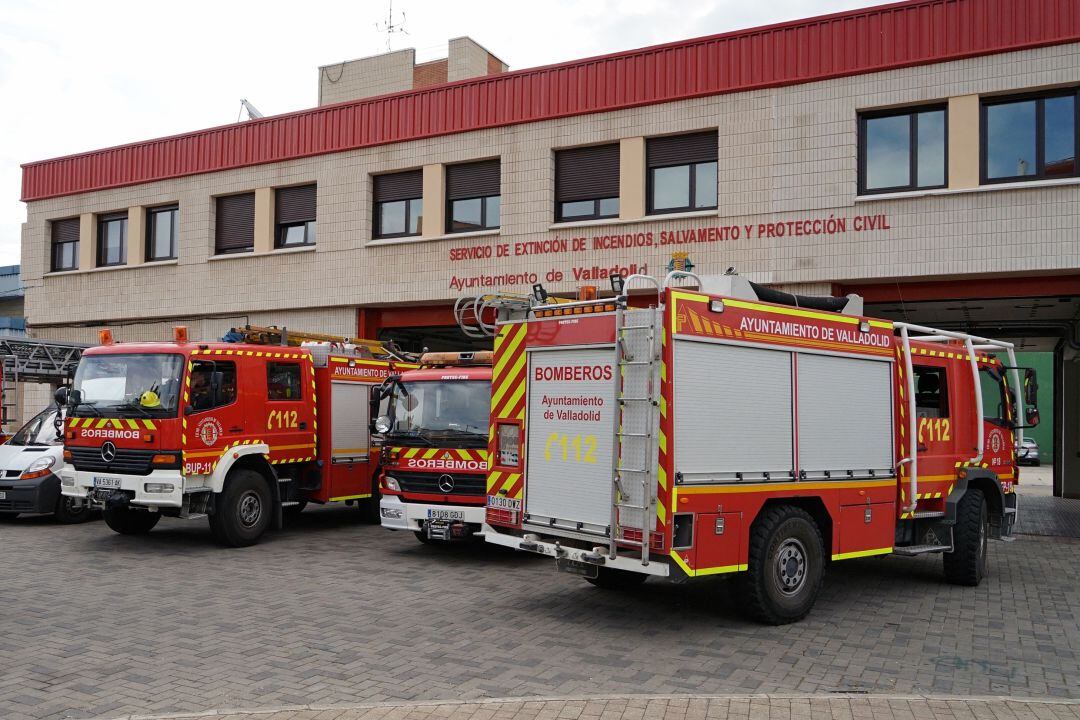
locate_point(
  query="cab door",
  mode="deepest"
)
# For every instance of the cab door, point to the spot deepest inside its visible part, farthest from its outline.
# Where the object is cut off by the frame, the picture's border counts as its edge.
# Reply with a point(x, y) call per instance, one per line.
point(936, 387)
point(289, 423)
point(213, 414)
point(998, 422)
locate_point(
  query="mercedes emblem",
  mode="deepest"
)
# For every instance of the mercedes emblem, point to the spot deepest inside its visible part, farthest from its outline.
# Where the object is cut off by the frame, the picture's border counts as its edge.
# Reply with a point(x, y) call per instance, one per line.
point(446, 483)
point(108, 452)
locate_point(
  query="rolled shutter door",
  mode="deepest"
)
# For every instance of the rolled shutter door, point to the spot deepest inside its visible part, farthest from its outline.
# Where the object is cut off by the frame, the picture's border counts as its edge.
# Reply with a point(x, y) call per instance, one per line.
point(235, 227)
point(65, 230)
point(296, 204)
point(587, 173)
point(479, 179)
point(681, 149)
point(399, 186)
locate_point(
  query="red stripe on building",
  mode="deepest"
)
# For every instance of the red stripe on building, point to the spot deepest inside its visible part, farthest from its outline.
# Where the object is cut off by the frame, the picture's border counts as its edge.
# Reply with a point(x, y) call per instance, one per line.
point(860, 41)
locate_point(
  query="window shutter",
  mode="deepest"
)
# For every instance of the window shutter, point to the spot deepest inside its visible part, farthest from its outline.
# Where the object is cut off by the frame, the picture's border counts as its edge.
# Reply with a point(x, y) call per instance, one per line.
point(65, 230)
point(235, 231)
point(587, 173)
point(681, 149)
point(296, 204)
point(399, 186)
point(479, 179)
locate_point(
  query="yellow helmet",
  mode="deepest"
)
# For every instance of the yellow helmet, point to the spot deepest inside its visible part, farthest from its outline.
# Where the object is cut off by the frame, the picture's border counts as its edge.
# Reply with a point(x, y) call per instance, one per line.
point(150, 399)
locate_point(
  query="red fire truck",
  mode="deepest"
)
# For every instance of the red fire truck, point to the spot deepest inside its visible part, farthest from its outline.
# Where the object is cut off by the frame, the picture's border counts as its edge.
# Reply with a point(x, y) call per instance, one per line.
point(730, 428)
point(234, 431)
point(435, 440)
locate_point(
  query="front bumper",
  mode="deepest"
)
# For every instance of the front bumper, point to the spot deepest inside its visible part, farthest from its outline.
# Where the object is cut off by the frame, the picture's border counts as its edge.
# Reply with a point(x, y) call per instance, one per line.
point(398, 515)
point(30, 496)
point(80, 484)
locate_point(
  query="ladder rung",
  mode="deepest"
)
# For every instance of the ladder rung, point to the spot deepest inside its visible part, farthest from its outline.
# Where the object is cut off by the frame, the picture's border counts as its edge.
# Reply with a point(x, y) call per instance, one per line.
point(623, 506)
point(629, 434)
point(637, 362)
point(632, 470)
point(635, 399)
point(628, 328)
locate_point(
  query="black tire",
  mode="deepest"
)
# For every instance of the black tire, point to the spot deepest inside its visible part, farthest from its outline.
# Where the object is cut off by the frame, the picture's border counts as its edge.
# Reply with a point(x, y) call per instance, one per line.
point(66, 513)
point(421, 535)
point(369, 508)
point(243, 510)
point(612, 579)
point(966, 564)
point(130, 522)
point(786, 566)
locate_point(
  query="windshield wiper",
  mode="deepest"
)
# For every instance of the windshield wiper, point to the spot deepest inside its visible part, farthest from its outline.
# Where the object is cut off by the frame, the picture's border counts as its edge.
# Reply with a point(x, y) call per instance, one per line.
point(76, 406)
point(410, 434)
point(133, 406)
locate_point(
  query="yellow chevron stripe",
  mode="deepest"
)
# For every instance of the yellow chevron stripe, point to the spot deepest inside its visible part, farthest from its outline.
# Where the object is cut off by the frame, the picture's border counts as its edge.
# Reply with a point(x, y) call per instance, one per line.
point(493, 480)
point(514, 378)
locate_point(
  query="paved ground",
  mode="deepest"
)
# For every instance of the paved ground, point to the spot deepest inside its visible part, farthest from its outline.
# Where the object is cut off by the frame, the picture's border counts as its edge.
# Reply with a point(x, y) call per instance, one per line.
point(841, 707)
point(333, 612)
point(1040, 512)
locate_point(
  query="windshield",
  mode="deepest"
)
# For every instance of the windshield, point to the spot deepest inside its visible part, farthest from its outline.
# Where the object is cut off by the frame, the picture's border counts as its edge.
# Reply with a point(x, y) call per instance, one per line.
point(128, 385)
point(436, 408)
point(39, 431)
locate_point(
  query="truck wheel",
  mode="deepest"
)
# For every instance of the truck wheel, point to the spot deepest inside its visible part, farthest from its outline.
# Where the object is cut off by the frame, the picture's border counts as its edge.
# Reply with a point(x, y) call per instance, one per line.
point(966, 564)
point(130, 522)
point(67, 513)
point(612, 579)
point(242, 510)
point(786, 565)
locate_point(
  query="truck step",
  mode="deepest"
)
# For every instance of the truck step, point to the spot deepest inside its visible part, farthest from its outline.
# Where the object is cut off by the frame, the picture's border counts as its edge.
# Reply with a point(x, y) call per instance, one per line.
point(289, 503)
point(919, 514)
point(193, 516)
point(921, 549)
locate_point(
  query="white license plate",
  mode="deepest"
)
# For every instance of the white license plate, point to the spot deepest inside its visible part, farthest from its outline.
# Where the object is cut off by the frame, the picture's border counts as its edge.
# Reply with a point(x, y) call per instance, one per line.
point(106, 482)
point(503, 503)
point(3, 496)
point(445, 514)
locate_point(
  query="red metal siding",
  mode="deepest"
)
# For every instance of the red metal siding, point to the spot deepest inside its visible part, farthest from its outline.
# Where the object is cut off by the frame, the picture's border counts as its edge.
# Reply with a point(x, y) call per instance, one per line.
point(862, 41)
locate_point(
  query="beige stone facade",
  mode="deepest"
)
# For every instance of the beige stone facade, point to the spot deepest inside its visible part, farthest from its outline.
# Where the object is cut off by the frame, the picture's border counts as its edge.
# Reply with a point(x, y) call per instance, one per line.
point(787, 164)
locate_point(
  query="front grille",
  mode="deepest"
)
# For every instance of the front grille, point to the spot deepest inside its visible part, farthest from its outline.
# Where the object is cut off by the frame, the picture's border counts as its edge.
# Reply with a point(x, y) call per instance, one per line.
point(17, 505)
point(429, 483)
point(126, 462)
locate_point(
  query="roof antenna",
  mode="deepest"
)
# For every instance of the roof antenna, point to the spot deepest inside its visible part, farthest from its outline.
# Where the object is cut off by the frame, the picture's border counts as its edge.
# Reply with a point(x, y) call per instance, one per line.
point(390, 27)
point(252, 111)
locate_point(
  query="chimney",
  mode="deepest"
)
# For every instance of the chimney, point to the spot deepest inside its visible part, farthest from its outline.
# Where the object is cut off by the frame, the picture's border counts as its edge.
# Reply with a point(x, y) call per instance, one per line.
point(397, 71)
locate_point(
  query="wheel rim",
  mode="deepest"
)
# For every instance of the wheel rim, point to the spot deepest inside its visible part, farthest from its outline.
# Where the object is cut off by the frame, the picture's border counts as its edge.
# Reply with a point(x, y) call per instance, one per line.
point(249, 509)
point(71, 508)
point(791, 566)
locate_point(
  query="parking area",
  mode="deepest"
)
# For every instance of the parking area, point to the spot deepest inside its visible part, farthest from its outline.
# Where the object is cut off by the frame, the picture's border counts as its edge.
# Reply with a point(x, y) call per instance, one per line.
point(332, 611)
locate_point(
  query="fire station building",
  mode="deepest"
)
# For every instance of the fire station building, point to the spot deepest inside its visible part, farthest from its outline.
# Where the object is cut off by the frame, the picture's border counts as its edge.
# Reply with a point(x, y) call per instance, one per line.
point(921, 153)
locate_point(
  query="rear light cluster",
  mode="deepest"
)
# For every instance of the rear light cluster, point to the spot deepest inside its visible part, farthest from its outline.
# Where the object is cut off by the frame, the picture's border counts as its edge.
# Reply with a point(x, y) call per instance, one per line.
point(496, 516)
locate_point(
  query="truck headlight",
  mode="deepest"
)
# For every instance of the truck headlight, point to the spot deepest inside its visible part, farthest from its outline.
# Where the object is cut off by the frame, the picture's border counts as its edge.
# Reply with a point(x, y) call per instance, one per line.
point(158, 488)
point(391, 483)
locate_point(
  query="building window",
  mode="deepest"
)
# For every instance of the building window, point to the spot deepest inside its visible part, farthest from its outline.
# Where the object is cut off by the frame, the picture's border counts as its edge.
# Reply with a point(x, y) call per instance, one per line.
point(903, 150)
point(283, 381)
point(1029, 138)
point(587, 183)
point(161, 232)
point(112, 240)
point(295, 207)
point(682, 172)
point(399, 204)
point(472, 196)
point(65, 244)
point(234, 231)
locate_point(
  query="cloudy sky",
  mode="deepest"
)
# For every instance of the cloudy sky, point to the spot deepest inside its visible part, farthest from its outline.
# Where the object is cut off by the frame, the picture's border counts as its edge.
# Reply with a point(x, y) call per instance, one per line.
point(77, 75)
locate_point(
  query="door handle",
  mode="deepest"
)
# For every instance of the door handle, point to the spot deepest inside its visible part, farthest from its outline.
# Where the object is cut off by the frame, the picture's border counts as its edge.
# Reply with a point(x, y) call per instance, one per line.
point(236, 429)
point(303, 426)
point(923, 448)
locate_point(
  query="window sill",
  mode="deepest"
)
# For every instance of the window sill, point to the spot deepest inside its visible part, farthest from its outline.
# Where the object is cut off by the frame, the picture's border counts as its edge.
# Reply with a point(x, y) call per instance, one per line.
point(111, 268)
point(630, 221)
point(432, 238)
point(233, 256)
point(992, 187)
point(289, 250)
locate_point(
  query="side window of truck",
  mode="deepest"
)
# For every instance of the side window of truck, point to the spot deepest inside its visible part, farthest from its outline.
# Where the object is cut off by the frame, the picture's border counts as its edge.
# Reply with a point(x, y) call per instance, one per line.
point(931, 392)
point(994, 396)
point(201, 392)
point(283, 381)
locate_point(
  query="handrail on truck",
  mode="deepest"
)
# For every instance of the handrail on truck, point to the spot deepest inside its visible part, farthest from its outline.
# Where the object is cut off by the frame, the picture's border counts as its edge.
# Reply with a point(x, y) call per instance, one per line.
point(985, 344)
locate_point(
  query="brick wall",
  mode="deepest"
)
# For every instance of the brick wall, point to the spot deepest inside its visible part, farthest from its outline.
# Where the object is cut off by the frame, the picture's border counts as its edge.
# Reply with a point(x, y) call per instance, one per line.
point(785, 154)
point(429, 73)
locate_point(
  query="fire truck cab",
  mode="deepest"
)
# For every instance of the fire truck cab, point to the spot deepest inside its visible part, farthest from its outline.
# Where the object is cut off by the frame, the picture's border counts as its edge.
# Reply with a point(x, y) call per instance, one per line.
point(435, 437)
point(232, 431)
point(732, 429)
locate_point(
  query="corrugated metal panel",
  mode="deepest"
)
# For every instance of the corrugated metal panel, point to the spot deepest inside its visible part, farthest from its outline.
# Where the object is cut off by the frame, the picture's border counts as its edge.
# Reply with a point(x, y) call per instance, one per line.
point(859, 41)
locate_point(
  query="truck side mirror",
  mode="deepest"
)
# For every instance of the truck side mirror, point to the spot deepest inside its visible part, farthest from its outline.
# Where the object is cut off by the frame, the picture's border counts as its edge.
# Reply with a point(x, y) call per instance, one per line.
point(1031, 388)
point(61, 396)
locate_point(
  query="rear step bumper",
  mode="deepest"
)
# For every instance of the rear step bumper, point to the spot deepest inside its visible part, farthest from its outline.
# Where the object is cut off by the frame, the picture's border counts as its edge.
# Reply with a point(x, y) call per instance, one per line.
point(552, 548)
